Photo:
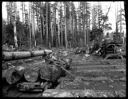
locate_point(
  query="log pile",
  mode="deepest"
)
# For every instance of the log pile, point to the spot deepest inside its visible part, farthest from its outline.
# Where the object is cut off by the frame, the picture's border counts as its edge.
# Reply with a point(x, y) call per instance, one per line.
point(30, 77)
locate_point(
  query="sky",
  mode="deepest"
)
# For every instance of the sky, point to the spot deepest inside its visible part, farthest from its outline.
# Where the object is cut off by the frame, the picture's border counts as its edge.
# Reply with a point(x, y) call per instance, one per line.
point(105, 5)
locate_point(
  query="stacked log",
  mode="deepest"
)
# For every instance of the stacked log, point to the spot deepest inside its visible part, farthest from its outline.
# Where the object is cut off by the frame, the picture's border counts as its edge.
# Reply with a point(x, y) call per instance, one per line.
point(6, 56)
point(45, 72)
point(56, 73)
point(31, 75)
point(13, 75)
point(52, 71)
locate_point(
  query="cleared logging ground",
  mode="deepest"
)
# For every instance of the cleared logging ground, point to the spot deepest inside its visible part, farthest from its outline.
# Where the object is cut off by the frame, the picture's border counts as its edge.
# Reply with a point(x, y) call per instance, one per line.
point(95, 74)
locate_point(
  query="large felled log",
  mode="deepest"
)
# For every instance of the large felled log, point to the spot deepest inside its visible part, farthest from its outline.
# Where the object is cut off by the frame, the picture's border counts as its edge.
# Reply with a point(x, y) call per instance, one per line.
point(45, 72)
point(31, 75)
point(56, 73)
point(50, 72)
point(23, 54)
point(54, 68)
point(14, 74)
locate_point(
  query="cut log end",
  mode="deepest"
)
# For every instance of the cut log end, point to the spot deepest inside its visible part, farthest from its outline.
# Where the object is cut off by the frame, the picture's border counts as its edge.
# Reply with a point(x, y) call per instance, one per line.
point(31, 75)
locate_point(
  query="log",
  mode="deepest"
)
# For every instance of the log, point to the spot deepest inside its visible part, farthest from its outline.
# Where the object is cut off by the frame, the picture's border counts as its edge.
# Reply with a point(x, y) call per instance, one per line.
point(6, 56)
point(31, 75)
point(45, 73)
point(29, 86)
point(50, 72)
point(56, 73)
point(13, 75)
point(54, 69)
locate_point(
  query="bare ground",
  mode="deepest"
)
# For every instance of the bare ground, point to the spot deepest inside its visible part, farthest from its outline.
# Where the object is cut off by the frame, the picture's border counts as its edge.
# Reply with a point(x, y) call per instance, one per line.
point(92, 73)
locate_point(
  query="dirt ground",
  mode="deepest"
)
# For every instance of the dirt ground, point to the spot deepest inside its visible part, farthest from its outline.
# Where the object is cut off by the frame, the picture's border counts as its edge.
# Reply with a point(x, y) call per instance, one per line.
point(89, 73)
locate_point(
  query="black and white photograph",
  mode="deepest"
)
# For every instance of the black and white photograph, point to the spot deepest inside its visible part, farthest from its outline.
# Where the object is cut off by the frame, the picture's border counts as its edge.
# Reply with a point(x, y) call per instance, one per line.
point(63, 49)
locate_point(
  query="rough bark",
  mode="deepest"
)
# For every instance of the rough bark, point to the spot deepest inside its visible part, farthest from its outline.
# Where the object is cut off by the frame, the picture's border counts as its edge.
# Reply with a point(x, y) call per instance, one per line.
point(31, 75)
point(50, 73)
point(66, 42)
point(13, 75)
point(46, 23)
point(23, 54)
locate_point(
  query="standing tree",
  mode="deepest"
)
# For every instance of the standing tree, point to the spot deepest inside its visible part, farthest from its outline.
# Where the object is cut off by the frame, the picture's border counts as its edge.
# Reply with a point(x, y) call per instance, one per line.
point(33, 24)
point(66, 41)
point(14, 23)
point(61, 24)
point(30, 23)
point(47, 43)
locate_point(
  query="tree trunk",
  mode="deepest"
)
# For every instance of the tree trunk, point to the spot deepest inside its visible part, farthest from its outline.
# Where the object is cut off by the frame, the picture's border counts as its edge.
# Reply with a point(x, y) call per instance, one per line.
point(86, 25)
point(55, 25)
point(23, 12)
point(66, 42)
point(79, 31)
point(71, 24)
point(75, 19)
point(47, 24)
point(59, 33)
point(52, 34)
point(61, 25)
point(15, 32)
point(23, 54)
point(33, 25)
point(30, 23)
point(15, 35)
point(42, 22)
point(84, 32)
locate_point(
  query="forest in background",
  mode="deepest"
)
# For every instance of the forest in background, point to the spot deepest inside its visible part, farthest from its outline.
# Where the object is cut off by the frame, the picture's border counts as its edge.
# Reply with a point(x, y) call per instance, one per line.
point(55, 25)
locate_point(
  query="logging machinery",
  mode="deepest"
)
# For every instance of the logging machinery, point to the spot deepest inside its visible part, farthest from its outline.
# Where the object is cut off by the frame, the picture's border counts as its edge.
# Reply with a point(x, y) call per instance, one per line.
point(109, 48)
